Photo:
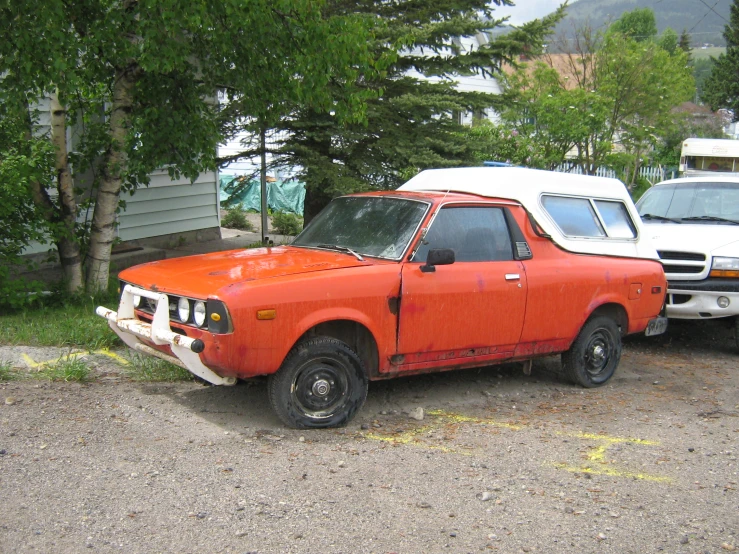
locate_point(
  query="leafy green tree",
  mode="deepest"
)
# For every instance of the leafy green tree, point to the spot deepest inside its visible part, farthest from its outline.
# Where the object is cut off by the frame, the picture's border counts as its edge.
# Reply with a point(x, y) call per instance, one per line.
point(23, 162)
point(685, 125)
point(142, 75)
point(721, 88)
point(614, 93)
point(669, 41)
point(702, 69)
point(412, 106)
point(639, 25)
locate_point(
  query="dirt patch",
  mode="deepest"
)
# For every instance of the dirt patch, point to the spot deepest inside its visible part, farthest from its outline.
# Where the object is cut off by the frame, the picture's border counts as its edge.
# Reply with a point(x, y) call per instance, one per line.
point(499, 462)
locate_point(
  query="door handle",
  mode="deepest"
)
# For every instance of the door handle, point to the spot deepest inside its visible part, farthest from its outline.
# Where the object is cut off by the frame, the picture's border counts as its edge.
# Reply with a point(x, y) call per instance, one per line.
point(512, 276)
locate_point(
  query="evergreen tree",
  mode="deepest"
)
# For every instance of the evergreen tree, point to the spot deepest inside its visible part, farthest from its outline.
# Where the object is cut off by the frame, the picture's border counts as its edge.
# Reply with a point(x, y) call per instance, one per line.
point(684, 44)
point(412, 114)
point(721, 89)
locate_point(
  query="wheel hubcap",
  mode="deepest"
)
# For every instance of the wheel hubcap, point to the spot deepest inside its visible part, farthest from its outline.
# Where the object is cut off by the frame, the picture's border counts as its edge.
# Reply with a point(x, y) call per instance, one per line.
point(598, 352)
point(321, 387)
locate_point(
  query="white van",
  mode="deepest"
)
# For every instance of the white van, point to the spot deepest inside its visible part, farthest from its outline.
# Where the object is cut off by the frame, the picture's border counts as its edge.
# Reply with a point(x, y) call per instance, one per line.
point(694, 224)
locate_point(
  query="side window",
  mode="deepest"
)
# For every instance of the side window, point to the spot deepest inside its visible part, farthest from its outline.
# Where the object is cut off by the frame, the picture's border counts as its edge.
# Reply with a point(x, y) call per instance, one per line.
point(476, 234)
point(616, 218)
point(584, 217)
point(574, 216)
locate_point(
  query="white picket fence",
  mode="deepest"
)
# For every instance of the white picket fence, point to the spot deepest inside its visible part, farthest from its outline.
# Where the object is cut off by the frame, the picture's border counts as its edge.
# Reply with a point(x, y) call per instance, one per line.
point(652, 174)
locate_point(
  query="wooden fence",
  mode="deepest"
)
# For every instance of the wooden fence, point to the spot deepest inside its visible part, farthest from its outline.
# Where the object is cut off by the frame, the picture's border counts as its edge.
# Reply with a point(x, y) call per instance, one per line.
point(652, 174)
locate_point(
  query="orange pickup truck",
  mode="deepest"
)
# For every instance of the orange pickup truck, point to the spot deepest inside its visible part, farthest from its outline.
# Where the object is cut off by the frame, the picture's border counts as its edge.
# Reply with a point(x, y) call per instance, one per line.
point(458, 268)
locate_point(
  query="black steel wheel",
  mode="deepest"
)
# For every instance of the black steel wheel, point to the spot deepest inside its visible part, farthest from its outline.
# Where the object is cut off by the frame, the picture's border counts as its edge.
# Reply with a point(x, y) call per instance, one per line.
point(321, 383)
point(593, 358)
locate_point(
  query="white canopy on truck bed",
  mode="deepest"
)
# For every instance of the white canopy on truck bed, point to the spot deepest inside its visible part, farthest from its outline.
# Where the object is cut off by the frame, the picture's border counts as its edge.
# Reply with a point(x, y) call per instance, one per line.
point(529, 186)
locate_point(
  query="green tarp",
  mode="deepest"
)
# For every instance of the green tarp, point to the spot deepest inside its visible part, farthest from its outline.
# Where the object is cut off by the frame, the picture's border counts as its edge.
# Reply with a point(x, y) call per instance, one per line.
point(281, 196)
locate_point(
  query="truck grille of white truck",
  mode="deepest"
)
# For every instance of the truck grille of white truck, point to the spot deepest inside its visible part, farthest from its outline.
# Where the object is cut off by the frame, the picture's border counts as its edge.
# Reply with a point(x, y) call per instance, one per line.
point(683, 263)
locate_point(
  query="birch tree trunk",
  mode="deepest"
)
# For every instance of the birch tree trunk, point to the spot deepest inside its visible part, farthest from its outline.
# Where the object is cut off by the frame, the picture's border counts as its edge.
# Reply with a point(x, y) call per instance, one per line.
point(66, 241)
point(114, 164)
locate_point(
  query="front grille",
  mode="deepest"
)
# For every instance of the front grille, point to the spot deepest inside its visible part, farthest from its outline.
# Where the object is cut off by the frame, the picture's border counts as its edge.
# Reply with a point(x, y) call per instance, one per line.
point(687, 256)
point(683, 263)
point(149, 306)
point(683, 269)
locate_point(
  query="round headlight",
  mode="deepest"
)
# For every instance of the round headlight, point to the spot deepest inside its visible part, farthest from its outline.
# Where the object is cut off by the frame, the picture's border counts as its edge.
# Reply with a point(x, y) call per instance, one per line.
point(136, 301)
point(183, 309)
point(198, 313)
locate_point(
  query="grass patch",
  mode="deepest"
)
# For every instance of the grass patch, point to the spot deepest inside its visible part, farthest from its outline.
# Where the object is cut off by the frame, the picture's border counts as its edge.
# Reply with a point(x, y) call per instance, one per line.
point(705, 53)
point(73, 324)
point(150, 368)
point(69, 369)
point(7, 373)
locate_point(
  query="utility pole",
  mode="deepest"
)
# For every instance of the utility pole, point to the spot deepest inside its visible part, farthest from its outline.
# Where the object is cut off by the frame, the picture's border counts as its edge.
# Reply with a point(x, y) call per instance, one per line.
point(263, 183)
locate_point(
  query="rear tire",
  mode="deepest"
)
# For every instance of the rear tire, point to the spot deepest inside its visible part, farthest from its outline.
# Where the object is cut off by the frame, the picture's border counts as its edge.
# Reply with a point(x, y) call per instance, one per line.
point(593, 358)
point(321, 383)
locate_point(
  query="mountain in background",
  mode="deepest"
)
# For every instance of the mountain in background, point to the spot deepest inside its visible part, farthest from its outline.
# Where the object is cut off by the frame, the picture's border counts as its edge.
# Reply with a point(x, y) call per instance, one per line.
point(695, 16)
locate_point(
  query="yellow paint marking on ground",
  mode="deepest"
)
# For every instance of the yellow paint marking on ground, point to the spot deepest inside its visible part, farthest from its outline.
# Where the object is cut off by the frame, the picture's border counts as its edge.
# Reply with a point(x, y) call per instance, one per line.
point(611, 440)
point(411, 438)
point(443, 418)
point(457, 418)
point(105, 352)
point(33, 364)
point(596, 456)
point(29, 361)
point(611, 472)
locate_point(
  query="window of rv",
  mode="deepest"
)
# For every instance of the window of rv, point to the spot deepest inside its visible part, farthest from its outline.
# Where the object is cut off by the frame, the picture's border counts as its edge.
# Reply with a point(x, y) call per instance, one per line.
point(711, 163)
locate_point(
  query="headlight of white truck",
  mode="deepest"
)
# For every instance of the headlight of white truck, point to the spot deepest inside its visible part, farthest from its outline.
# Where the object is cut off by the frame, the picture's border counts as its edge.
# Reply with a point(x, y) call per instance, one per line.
point(725, 267)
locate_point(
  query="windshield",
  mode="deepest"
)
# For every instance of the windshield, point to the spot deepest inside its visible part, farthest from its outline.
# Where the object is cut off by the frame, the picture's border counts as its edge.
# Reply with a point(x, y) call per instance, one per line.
point(697, 202)
point(369, 225)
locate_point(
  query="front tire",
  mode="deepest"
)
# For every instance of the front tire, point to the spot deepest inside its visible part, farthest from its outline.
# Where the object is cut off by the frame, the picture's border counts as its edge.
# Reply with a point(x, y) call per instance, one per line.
point(593, 358)
point(321, 383)
point(736, 332)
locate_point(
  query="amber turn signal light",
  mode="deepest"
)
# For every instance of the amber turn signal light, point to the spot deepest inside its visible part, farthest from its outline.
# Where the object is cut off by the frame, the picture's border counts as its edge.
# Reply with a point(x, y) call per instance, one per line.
point(733, 273)
point(266, 314)
point(215, 317)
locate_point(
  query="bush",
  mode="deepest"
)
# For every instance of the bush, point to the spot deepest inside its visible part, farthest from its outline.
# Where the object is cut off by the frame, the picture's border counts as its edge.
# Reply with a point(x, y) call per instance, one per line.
point(235, 218)
point(286, 223)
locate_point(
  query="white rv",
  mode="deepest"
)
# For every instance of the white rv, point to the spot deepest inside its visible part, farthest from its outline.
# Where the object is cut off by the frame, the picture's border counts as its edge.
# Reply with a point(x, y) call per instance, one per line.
point(700, 156)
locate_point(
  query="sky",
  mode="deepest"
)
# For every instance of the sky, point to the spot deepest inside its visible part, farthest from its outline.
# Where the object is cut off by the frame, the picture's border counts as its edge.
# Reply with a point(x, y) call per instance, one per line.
point(526, 10)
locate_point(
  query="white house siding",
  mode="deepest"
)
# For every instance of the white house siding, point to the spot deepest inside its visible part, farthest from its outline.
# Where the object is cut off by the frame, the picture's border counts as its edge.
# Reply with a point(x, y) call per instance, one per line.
point(165, 207)
point(168, 207)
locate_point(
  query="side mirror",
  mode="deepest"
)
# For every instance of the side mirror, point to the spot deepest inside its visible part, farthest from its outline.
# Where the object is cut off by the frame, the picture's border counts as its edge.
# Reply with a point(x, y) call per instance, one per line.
point(438, 256)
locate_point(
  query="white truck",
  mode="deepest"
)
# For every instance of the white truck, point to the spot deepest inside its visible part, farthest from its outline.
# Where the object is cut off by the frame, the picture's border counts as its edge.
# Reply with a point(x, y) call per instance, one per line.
point(693, 222)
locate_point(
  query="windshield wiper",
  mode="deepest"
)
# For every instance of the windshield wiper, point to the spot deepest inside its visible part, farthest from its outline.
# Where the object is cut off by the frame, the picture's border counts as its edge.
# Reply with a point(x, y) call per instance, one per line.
point(341, 249)
point(710, 218)
point(660, 218)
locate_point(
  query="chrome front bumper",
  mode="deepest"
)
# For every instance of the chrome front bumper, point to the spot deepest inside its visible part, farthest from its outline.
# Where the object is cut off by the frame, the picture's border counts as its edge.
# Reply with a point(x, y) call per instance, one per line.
point(131, 330)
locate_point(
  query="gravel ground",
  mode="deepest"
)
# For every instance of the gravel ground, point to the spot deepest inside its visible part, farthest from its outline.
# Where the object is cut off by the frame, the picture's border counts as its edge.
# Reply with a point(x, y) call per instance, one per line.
point(499, 462)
